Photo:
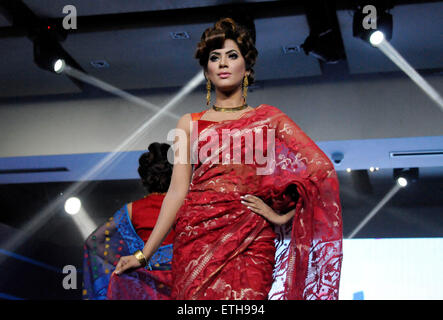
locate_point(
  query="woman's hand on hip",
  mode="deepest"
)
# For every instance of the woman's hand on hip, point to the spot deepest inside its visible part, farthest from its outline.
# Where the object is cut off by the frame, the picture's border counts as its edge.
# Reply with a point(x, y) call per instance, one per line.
point(125, 263)
point(257, 205)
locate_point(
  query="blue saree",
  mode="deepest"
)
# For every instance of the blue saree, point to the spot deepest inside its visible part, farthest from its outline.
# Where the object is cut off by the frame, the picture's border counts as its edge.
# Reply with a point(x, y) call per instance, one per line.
point(104, 247)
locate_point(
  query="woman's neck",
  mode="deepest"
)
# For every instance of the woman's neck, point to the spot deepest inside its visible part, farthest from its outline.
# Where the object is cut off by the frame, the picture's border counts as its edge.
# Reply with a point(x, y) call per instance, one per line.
point(227, 100)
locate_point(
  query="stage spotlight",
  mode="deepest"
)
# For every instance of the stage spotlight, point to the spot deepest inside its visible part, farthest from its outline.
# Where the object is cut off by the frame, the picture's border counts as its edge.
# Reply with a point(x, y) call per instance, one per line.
point(324, 41)
point(402, 182)
point(47, 54)
point(373, 25)
point(324, 46)
point(376, 38)
point(59, 65)
point(73, 205)
point(404, 176)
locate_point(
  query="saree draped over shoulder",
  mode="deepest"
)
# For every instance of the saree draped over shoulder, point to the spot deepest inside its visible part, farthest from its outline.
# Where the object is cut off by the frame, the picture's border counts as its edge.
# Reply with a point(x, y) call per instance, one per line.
point(222, 249)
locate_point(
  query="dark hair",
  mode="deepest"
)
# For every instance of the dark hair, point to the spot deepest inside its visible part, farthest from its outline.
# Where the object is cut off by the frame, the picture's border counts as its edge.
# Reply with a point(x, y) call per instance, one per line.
point(154, 168)
point(226, 28)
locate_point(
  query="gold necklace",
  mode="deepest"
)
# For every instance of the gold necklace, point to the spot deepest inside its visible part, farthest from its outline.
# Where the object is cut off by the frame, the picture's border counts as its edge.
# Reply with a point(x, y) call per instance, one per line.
point(230, 109)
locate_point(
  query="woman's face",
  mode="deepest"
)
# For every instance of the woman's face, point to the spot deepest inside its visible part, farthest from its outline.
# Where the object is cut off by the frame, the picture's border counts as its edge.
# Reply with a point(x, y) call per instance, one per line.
point(226, 60)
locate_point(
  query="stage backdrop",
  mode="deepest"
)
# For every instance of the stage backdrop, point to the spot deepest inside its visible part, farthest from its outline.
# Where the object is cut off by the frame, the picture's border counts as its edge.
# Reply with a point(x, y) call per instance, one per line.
point(392, 269)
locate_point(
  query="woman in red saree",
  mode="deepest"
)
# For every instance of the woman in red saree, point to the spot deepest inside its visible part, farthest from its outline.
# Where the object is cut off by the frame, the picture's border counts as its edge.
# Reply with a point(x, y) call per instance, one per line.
point(284, 240)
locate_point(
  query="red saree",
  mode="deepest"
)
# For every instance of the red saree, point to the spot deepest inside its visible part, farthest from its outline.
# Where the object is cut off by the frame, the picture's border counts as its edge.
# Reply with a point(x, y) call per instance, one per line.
point(145, 214)
point(222, 250)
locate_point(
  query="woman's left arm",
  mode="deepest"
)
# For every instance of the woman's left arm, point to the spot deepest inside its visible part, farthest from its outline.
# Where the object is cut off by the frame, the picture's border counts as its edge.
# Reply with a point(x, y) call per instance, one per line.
point(257, 205)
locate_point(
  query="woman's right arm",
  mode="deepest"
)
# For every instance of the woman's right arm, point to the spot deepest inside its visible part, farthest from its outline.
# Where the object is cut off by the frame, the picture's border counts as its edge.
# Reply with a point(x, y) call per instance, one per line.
point(177, 191)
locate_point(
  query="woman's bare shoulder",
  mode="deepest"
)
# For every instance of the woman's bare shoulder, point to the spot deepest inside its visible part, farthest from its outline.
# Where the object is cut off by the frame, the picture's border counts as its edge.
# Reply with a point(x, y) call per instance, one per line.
point(184, 122)
point(186, 116)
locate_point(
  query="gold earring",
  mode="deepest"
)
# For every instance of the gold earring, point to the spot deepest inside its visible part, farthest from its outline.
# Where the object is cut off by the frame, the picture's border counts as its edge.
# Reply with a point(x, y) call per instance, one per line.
point(245, 87)
point(208, 94)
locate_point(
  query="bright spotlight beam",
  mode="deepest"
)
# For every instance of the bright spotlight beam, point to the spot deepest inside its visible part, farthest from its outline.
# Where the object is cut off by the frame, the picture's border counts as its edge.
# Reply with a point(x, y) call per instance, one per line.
point(392, 54)
point(111, 89)
point(43, 216)
point(376, 209)
point(135, 136)
point(84, 223)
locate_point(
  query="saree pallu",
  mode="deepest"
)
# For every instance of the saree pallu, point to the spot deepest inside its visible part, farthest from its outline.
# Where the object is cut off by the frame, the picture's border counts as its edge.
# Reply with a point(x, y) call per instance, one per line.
point(223, 250)
point(104, 247)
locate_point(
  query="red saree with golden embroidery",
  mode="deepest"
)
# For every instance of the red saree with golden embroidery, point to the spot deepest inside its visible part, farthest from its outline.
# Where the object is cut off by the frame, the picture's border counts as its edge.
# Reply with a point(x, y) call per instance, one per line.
point(223, 250)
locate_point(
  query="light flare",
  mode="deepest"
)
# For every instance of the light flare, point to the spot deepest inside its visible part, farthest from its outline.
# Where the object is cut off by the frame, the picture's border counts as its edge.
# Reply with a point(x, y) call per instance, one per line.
point(395, 57)
point(46, 213)
point(376, 209)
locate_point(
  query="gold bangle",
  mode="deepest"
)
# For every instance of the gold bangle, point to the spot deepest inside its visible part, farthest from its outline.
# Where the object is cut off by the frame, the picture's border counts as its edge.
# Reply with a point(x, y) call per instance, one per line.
point(141, 258)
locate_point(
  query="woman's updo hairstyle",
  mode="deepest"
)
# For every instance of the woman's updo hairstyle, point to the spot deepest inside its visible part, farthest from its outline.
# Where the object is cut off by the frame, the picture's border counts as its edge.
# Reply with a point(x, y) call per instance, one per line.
point(154, 168)
point(226, 28)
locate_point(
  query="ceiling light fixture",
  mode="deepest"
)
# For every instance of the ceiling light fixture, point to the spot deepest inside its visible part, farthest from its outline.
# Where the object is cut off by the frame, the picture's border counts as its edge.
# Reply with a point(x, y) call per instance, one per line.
point(405, 175)
point(373, 23)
